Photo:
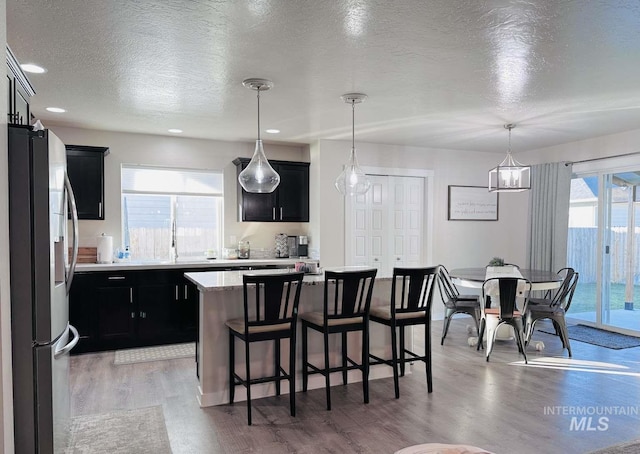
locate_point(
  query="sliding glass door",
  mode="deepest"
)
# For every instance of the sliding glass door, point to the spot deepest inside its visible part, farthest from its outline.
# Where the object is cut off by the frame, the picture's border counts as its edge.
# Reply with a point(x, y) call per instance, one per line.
point(604, 222)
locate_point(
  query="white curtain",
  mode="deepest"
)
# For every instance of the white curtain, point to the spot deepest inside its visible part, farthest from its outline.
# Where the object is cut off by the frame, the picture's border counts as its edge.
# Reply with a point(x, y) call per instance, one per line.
point(549, 216)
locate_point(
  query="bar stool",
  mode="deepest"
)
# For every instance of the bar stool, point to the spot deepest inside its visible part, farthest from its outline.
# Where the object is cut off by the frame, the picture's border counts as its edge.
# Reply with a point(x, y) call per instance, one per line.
point(270, 313)
point(346, 310)
point(410, 304)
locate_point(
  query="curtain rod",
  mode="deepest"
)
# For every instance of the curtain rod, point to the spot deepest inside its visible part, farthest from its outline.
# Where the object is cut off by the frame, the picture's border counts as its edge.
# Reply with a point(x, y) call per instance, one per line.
point(604, 157)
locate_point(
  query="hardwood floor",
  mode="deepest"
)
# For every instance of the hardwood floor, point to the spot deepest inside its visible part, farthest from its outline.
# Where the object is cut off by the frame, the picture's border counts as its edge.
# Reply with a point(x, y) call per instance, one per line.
point(501, 405)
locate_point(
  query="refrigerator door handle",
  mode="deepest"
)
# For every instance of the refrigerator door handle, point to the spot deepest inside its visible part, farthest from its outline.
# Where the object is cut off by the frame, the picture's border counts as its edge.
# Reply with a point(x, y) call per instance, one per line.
point(74, 223)
point(67, 348)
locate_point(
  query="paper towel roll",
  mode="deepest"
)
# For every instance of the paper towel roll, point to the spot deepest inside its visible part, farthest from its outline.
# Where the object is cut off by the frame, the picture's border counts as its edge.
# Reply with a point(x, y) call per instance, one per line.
point(105, 249)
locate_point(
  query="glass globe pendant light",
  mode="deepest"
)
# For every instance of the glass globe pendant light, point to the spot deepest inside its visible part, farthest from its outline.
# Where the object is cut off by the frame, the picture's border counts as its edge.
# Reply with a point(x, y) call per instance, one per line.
point(258, 176)
point(352, 180)
point(510, 175)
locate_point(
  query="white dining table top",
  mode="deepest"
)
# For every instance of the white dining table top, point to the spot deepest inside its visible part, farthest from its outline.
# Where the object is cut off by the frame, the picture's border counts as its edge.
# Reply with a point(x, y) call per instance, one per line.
point(475, 277)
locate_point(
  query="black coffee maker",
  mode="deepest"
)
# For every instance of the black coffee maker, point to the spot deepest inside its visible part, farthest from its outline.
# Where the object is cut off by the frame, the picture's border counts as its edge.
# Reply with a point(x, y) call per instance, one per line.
point(303, 246)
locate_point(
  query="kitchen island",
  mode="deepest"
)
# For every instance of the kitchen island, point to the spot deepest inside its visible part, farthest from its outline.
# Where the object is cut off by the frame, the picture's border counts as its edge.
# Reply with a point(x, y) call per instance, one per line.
point(221, 299)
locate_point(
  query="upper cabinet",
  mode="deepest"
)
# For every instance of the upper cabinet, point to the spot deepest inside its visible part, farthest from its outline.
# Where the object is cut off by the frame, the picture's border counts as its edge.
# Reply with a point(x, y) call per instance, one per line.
point(85, 166)
point(20, 91)
point(288, 203)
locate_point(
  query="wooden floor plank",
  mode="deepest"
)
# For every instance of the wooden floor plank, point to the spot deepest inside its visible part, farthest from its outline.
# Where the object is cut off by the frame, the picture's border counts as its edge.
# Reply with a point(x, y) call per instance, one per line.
point(499, 405)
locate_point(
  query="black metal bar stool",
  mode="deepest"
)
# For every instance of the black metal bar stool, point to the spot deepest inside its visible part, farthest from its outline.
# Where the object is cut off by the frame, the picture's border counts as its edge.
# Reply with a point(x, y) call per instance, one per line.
point(270, 314)
point(346, 310)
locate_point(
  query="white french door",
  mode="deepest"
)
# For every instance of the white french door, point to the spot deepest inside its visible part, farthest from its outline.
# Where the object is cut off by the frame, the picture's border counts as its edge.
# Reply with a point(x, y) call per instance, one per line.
point(385, 226)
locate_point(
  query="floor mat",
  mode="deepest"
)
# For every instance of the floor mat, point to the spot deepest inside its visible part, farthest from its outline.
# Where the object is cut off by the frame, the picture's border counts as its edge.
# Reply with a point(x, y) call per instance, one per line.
point(599, 337)
point(143, 355)
point(140, 431)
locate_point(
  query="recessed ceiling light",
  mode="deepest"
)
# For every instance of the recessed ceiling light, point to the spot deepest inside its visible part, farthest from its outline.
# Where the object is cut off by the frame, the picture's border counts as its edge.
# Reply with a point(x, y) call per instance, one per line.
point(273, 131)
point(31, 68)
point(56, 109)
point(175, 131)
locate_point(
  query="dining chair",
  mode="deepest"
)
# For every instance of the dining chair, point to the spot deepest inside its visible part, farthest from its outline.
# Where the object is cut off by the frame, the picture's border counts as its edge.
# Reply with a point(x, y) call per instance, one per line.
point(409, 305)
point(455, 303)
point(345, 310)
point(554, 308)
point(507, 290)
point(270, 314)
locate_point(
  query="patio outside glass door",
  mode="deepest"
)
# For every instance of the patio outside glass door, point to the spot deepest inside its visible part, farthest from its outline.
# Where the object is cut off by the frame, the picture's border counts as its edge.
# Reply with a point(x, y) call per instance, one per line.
point(603, 246)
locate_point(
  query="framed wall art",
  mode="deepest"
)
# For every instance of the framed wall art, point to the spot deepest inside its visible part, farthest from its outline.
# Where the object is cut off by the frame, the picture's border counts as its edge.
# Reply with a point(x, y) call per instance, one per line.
point(472, 203)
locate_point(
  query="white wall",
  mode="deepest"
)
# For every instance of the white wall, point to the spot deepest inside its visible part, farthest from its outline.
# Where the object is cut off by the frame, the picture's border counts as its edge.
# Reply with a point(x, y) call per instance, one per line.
point(6, 392)
point(174, 151)
point(614, 144)
point(455, 243)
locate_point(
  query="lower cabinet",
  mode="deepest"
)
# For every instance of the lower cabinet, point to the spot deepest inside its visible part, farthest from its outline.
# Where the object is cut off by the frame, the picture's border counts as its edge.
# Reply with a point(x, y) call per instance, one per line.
point(132, 309)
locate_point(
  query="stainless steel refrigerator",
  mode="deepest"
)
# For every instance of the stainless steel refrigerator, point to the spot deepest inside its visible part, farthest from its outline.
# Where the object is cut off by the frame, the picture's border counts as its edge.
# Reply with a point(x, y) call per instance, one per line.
point(41, 274)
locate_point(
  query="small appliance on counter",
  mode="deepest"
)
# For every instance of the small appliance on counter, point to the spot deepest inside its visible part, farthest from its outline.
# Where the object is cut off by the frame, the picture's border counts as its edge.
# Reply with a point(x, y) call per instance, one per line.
point(282, 246)
point(292, 246)
point(303, 246)
point(244, 250)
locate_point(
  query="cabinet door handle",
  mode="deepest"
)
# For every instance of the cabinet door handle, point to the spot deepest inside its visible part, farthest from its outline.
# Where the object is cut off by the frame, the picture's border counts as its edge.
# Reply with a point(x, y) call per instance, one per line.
point(274, 213)
point(99, 209)
point(131, 295)
point(143, 314)
point(177, 293)
point(116, 278)
point(133, 315)
point(281, 213)
point(186, 291)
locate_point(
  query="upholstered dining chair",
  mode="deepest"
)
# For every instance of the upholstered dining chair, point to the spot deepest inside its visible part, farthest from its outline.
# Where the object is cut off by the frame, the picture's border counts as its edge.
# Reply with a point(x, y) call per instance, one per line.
point(554, 307)
point(507, 290)
point(455, 303)
point(410, 304)
point(270, 314)
point(346, 309)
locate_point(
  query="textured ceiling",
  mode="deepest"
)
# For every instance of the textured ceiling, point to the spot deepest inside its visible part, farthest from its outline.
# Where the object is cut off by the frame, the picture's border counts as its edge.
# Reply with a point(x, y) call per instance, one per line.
point(439, 73)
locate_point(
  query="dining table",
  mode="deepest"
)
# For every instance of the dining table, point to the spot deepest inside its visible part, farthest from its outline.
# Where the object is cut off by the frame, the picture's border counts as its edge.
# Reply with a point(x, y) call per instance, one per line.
point(475, 277)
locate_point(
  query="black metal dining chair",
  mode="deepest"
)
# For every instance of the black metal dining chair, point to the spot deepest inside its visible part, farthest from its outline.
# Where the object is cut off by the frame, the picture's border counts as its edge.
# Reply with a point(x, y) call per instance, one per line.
point(270, 314)
point(456, 303)
point(553, 307)
point(507, 290)
point(409, 305)
point(346, 309)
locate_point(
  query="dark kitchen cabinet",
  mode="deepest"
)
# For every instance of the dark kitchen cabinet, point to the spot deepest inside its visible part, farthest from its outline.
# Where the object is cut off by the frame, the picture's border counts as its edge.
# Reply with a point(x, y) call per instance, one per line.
point(157, 307)
point(85, 166)
point(20, 93)
point(83, 313)
point(288, 203)
point(114, 310)
point(188, 299)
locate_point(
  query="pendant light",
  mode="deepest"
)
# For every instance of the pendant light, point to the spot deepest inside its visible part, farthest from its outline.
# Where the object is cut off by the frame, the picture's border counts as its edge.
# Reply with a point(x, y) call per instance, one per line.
point(258, 176)
point(352, 180)
point(510, 175)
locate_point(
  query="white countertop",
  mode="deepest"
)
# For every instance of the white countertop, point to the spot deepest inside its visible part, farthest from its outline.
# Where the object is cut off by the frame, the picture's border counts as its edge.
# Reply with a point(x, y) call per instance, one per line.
point(195, 263)
point(208, 281)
